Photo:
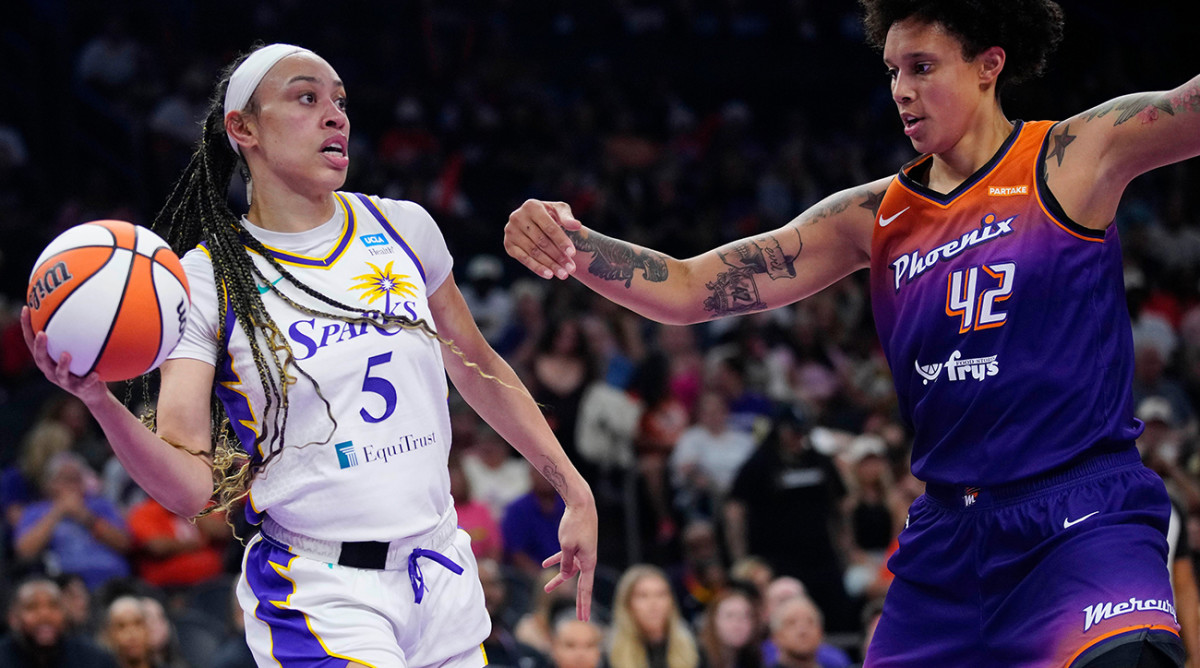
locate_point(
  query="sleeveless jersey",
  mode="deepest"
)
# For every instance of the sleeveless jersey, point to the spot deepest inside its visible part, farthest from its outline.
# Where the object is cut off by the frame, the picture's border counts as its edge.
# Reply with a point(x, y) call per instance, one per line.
point(1003, 321)
point(372, 464)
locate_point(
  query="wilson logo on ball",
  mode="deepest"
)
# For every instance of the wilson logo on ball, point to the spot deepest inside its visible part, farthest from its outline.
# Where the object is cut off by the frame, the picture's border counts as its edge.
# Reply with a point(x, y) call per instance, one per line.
point(111, 294)
point(48, 283)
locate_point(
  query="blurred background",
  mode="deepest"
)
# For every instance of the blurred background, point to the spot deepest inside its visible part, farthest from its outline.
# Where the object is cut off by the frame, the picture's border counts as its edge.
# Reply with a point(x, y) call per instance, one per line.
point(678, 124)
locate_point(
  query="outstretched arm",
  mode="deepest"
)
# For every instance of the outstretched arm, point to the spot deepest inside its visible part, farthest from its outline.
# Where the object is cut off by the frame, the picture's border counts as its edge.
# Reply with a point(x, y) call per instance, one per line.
point(512, 412)
point(825, 243)
point(1091, 157)
point(180, 481)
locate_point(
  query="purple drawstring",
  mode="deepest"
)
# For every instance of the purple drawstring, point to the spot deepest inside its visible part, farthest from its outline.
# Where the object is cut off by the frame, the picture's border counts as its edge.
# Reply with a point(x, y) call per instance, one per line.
point(414, 569)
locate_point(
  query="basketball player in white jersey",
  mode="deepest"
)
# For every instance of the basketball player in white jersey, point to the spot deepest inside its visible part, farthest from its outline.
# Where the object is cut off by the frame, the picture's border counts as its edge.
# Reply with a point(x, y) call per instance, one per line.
point(324, 324)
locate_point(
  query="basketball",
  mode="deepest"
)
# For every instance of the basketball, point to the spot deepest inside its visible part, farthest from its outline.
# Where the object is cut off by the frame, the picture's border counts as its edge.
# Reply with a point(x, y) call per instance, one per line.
point(113, 295)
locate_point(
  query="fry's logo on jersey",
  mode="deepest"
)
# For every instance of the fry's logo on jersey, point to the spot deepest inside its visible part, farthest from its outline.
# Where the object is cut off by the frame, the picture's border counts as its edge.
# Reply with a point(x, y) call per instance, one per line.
point(348, 454)
point(1094, 614)
point(908, 267)
point(959, 369)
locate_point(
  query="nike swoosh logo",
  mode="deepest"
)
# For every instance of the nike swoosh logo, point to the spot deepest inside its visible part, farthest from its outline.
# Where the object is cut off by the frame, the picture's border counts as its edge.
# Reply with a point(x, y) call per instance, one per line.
point(1067, 524)
point(264, 289)
point(884, 222)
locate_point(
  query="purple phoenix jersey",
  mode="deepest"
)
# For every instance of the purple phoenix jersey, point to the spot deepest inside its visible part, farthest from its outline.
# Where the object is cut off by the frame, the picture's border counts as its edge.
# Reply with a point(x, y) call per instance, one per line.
point(1004, 322)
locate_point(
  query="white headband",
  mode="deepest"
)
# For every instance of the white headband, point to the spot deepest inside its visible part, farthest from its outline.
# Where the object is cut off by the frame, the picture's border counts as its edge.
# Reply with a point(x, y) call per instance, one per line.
point(250, 73)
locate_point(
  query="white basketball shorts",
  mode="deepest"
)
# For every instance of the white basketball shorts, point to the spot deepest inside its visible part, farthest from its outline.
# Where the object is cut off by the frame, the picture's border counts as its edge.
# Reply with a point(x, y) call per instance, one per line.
point(305, 611)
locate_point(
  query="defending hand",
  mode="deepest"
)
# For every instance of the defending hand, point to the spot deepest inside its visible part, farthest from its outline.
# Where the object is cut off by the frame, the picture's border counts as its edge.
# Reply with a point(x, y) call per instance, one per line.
point(536, 236)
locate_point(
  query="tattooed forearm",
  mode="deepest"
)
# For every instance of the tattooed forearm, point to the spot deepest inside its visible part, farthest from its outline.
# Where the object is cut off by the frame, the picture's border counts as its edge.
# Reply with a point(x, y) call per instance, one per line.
point(735, 290)
point(556, 479)
point(616, 260)
point(1146, 107)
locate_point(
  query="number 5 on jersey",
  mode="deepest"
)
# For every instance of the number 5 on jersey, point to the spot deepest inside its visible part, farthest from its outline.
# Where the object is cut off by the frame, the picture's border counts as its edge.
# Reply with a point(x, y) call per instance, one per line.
point(975, 304)
point(380, 386)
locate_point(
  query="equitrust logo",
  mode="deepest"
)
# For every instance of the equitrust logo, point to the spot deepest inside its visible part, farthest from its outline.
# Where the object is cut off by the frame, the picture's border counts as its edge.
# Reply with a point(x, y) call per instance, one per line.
point(349, 455)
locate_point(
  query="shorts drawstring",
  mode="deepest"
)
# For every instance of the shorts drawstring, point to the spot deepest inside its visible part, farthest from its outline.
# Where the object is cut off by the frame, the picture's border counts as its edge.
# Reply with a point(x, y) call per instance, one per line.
point(414, 569)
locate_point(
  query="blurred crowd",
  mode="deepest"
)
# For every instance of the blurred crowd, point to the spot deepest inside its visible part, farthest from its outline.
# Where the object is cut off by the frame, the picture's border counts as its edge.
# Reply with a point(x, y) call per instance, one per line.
point(751, 474)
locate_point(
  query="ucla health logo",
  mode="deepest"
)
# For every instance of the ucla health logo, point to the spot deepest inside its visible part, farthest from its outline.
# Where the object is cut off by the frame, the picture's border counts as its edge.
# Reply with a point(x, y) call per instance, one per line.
point(347, 457)
point(377, 244)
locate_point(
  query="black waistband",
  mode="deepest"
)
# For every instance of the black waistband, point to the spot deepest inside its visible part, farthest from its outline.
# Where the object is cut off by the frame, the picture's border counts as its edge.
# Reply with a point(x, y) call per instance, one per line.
point(364, 554)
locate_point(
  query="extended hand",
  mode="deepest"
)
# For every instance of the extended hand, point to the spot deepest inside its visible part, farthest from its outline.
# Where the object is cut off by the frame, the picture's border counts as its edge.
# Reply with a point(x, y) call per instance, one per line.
point(88, 388)
point(535, 236)
point(577, 536)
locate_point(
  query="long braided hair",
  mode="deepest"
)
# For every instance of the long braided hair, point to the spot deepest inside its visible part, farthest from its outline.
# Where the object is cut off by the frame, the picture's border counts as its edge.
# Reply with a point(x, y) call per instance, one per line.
point(196, 211)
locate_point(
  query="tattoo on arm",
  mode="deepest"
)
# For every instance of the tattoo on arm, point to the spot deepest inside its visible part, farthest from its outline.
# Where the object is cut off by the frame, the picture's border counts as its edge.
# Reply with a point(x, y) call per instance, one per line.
point(616, 260)
point(1147, 106)
point(831, 208)
point(1061, 141)
point(556, 479)
point(872, 202)
point(736, 290)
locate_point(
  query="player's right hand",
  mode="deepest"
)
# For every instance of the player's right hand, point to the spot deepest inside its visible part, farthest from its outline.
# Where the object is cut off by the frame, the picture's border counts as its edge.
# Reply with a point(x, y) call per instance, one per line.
point(88, 388)
point(536, 236)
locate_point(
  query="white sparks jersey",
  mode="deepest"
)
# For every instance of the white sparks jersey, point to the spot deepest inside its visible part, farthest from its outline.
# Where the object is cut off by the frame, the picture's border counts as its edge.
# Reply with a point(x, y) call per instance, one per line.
point(376, 470)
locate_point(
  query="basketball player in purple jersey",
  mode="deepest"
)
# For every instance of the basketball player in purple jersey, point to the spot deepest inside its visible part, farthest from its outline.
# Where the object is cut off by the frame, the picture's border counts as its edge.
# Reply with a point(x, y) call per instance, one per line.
point(325, 325)
point(997, 290)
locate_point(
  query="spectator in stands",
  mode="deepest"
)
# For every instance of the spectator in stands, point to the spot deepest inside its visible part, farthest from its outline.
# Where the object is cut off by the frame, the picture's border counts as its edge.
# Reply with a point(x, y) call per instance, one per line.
point(664, 419)
point(868, 510)
point(729, 636)
point(488, 300)
point(787, 477)
point(497, 478)
point(536, 628)
point(781, 590)
point(647, 629)
point(577, 644)
point(749, 410)
point(474, 517)
point(530, 527)
point(502, 648)
point(75, 528)
point(707, 457)
point(123, 631)
point(39, 636)
point(797, 630)
point(171, 551)
point(20, 484)
point(77, 603)
point(700, 574)
point(165, 651)
point(560, 371)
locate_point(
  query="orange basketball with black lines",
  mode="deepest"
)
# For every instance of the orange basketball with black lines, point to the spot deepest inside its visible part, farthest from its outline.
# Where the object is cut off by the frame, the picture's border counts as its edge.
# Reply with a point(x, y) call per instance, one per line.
point(113, 295)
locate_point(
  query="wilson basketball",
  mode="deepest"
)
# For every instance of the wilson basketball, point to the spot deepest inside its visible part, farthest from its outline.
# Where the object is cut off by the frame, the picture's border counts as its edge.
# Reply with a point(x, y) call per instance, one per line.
point(113, 295)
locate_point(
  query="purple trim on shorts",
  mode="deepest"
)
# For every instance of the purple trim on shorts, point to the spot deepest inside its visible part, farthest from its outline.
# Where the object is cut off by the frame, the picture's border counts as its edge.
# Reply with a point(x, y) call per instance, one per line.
point(292, 641)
